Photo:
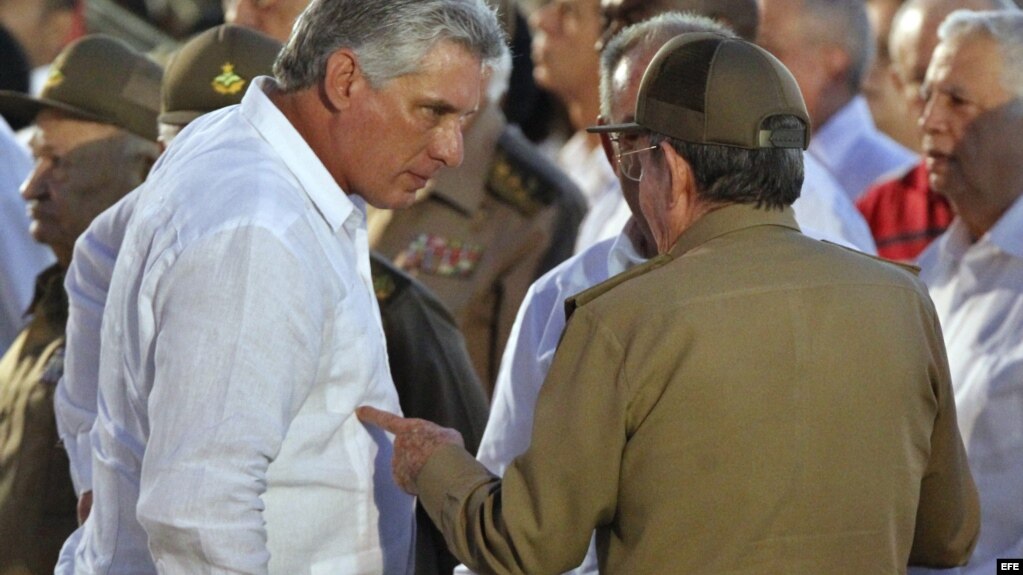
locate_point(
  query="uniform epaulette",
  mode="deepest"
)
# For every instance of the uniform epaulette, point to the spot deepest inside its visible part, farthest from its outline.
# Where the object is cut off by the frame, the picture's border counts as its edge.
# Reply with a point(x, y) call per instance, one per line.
point(913, 269)
point(584, 297)
point(387, 279)
point(522, 177)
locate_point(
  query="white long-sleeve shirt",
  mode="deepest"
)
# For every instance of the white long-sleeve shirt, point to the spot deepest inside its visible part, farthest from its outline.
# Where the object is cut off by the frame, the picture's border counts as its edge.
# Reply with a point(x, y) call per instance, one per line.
point(977, 290)
point(240, 334)
point(87, 283)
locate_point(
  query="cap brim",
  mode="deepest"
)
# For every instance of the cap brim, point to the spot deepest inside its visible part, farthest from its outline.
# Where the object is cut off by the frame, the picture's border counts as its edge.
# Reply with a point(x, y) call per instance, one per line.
point(620, 128)
point(27, 107)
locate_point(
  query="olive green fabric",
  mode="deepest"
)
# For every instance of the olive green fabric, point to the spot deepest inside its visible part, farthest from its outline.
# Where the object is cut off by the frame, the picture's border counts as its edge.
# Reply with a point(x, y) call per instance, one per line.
point(212, 70)
point(705, 88)
point(762, 403)
point(37, 499)
point(98, 78)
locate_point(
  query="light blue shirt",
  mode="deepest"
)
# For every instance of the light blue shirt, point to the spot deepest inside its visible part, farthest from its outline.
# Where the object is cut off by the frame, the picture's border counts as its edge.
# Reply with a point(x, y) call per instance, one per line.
point(856, 153)
point(21, 257)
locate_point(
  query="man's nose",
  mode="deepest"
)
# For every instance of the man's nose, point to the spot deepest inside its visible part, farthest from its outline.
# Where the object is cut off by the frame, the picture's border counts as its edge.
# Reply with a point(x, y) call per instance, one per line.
point(931, 118)
point(34, 186)
point(447, 145)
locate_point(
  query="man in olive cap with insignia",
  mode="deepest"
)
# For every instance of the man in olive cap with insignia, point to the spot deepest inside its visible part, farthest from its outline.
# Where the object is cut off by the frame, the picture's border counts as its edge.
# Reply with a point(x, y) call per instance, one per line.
point(95, 141)
point(211, 71)
point(433, 375)
point(750, 400)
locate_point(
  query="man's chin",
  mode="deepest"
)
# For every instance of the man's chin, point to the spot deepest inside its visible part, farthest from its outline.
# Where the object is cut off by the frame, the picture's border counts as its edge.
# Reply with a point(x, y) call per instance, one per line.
point(396, 200)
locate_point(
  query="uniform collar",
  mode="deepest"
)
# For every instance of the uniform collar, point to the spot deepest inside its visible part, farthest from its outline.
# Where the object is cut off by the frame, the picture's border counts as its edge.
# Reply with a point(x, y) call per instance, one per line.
point(731, 218)
point(333, 204)
point(50, 299)
point(465, 186)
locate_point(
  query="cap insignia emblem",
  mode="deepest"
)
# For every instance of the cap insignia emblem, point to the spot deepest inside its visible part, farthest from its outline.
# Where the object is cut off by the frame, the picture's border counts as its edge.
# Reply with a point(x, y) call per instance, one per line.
point(56, 78)
point(228, 82)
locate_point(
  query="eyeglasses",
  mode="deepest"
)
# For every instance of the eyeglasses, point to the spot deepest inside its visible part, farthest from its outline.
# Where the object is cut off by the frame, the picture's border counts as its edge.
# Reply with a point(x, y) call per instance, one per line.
point(628, 162)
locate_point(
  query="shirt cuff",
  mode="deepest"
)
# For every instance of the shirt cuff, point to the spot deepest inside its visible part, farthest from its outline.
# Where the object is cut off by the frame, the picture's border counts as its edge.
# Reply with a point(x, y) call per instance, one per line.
point(79, 453)
point(448, 479)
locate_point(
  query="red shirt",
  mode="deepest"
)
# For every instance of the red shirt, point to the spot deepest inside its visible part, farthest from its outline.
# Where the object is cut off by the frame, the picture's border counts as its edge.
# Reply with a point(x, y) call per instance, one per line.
point(904, 214)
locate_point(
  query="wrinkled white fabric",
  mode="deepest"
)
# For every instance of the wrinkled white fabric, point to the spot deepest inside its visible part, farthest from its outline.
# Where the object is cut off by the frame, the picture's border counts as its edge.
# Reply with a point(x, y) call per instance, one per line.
point(240, 333)
point(977, 289)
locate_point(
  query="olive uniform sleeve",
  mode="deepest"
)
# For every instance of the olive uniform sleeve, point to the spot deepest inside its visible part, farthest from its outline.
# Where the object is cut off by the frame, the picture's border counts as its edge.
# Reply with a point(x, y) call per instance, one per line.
point(540, 517)
point(948, 514)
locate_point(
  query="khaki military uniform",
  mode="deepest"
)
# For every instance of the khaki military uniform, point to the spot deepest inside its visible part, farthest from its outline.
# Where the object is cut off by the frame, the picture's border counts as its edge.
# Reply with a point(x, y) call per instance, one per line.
point(753, 402)
point(37, 500)
point(484, 232)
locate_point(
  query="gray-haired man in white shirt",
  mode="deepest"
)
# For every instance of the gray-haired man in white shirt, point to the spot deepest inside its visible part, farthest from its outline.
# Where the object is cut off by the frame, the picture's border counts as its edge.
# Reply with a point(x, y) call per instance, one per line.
point(241, 329)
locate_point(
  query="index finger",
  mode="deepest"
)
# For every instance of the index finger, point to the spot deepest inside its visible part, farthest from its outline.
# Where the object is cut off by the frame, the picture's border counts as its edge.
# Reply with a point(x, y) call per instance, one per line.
point(383, 419)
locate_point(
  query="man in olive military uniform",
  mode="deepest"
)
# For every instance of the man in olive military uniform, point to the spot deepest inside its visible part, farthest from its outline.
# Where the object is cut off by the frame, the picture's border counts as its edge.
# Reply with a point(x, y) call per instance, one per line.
point(96, 113)
point(427, 356)
point(480, 234)
point(750, 400)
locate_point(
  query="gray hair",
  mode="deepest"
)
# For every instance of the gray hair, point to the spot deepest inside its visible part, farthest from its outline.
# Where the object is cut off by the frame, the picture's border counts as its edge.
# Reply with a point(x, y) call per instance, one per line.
point(642, 40)
point(936, 10)
point(500, 77)
point(743, 16)
point(769, 177)
point(842, 22)
point(390, 37)
point(1005, 27)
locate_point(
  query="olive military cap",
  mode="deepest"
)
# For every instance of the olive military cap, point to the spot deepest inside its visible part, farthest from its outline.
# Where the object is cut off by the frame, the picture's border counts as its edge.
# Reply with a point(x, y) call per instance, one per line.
point(212, 70)
point(97, 78)
point(705, 88)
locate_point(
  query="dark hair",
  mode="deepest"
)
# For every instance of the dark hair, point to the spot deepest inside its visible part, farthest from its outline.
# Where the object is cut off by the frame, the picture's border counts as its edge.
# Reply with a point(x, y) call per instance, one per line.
point(767, 177)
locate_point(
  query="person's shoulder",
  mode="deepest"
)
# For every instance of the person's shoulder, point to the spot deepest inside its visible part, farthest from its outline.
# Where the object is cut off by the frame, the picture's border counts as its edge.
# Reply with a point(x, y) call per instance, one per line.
point(219, 162)
point(391, 285)
point(611, 288)
point(579, 270)
point(850, 266)
point(389, 282)
point(521, 176)
point(870, 259)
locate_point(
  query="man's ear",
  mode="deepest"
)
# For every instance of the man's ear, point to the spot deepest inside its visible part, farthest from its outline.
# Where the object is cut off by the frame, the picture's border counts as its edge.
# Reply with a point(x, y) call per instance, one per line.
point(680, 173)
point(836, 61)
point(343, 74)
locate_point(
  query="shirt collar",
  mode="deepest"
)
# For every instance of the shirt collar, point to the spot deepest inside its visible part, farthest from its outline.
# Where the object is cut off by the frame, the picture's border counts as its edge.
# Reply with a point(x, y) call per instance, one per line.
point(465, 186)
point(1007, 232)
point(731, 218)
point(1005, 236)
point(333, 204)
point(623, 254)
